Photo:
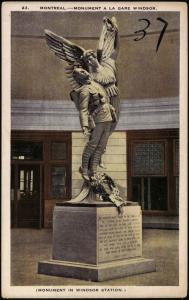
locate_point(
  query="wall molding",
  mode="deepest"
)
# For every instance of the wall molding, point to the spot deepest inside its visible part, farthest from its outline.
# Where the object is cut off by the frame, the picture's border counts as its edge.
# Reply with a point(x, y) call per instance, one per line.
point(160, 113)
point(96, 38)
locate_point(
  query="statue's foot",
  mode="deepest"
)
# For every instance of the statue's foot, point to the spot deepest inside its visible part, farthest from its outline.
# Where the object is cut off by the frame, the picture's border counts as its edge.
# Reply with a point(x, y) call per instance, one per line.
point(93, 174)
point(84, 173)
point(102, 165)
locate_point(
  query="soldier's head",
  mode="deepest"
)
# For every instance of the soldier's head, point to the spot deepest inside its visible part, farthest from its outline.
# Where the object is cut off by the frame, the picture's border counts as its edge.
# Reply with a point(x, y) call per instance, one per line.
point(90, 58)
point(81, 75)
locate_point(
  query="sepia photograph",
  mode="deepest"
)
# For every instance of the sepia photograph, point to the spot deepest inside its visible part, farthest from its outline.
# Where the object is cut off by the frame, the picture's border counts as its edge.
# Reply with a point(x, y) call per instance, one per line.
point(94, 149)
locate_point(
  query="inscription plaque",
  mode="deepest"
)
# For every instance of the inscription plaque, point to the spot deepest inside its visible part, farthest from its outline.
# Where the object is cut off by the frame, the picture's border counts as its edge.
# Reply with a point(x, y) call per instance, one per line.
point(119, 238)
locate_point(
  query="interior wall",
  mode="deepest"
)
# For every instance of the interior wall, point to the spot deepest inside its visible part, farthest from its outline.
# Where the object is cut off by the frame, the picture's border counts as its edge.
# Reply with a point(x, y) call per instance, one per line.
point(114, 161)
point(143, 73)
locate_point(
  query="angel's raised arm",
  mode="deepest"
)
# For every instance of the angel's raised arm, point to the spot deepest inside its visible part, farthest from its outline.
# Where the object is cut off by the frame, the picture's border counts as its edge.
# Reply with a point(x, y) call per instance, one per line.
point(108, 45)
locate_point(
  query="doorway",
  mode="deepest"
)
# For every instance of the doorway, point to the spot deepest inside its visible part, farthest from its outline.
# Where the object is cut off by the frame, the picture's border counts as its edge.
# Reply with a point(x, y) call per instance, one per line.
point(26, 191)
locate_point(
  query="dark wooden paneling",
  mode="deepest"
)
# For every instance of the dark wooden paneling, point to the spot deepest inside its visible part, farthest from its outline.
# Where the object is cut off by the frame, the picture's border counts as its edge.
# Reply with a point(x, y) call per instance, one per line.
point(46, 138)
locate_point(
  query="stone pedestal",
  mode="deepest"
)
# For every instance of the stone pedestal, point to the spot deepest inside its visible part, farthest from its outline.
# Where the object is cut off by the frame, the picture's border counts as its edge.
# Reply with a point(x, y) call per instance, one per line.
point(93, 242)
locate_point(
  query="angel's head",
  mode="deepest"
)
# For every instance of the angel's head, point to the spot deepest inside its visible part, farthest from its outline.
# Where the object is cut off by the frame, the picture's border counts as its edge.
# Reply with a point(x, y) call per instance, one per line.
point(90, 58)
point(81, 75)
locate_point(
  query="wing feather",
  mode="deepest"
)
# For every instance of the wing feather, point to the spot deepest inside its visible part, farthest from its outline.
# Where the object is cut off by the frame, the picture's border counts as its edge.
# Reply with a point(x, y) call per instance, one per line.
point(56, 50)
point(61, 56)
point(67, 51)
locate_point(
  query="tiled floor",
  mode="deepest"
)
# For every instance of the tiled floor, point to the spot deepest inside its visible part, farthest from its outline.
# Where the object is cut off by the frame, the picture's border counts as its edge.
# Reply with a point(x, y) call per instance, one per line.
point(29, 246)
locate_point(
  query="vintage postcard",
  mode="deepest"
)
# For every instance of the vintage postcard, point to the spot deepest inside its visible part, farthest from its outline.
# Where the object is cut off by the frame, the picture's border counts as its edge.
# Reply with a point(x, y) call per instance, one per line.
point(94, 149)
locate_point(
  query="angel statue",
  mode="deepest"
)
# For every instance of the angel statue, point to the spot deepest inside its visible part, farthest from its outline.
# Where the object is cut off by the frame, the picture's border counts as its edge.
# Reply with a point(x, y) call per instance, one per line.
point(95, 93)
point(99, 63)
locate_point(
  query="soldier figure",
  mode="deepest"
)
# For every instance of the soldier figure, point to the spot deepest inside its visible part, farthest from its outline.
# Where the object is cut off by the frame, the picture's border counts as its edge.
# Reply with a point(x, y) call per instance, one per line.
point(101, 63)
point(96, 117)
point(93, 77)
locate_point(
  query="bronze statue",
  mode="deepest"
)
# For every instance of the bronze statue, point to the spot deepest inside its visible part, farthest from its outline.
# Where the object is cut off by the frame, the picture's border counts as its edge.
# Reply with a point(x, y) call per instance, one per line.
point(93, 77)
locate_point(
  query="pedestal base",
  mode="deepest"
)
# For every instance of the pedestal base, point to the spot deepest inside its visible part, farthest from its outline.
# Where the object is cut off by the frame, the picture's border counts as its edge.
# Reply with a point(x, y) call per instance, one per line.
point(93, 242)
point(101, 272)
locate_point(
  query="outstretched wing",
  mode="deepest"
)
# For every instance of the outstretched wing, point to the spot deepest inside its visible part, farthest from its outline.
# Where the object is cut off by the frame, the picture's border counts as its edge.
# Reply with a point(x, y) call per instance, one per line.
point(64, 49)
point(107, 41)
point(67, 51)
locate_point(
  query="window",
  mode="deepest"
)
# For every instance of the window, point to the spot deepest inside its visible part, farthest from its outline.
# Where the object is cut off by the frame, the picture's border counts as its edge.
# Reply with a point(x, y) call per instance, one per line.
point(26, 150)
point(148, 161)
point(58, 151)
point(153, 162)
point(150, 192)
point(26, 182)
point(59, 165)
point(58, 182)
point(148, 158)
